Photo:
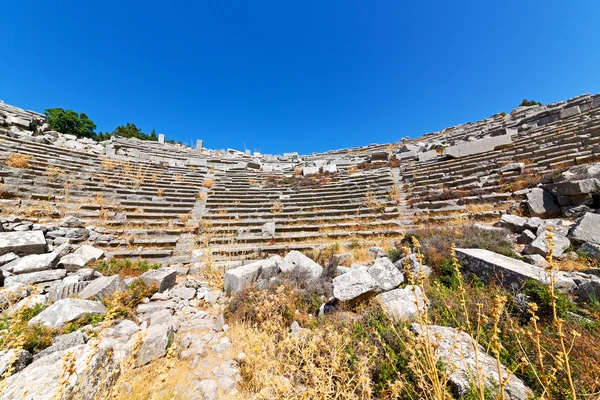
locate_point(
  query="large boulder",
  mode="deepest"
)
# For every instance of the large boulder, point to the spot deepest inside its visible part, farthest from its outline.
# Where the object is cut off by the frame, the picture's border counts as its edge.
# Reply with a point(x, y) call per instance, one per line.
point(386, 274)
point(541, 204)
point(81, 258)
point(13, 361)
point(586, 229)
point(403, 304)
point(103, 288)
point(507, 271)
point(456, 350)
point(63, 342)
point(465, 149)
point(240, 278)
point(574, 188)
point(155, 342)
point(164, 278)
point(296, 262)
point(67, 310)
point(540, 244)
point(94, 371)
point(36, 277)
point(354, 285)
point(32, 263)
point(22, 243)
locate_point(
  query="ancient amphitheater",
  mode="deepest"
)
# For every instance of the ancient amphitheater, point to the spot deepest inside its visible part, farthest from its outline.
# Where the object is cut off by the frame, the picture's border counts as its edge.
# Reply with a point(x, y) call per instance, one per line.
point(76, 200)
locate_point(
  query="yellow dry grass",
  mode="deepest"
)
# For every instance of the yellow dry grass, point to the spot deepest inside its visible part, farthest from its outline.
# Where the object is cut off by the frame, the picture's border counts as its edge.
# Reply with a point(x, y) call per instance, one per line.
point(15, 160)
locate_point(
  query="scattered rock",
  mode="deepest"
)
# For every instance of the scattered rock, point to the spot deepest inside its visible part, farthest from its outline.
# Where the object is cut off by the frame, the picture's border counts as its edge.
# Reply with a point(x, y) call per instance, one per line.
point(455, 349)
point(155, 342)
point(403, 304)
point(67, 310)
point(541, 204)
point(386, 274)
point(164, 278)
point(354, 285)
point(297, 262)
point(15, 360)
point(587, 229)
point(103, 288)
point(22, 243)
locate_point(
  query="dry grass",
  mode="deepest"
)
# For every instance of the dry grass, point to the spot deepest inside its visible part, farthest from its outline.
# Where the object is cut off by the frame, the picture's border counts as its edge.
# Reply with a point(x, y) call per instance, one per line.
point(54, 173)
point(277, 207)
point(178, 178)
point(208, 183)
point(160, 192)
point(15, 160)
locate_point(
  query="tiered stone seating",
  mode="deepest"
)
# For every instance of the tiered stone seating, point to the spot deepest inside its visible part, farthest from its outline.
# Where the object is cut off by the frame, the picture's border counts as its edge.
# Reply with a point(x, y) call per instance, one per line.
point(485, 178)
point(162, 201)
point(341, 207)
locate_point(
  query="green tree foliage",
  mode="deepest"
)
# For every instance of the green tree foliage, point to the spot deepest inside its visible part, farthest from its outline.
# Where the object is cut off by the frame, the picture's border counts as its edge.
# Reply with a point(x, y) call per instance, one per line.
point(131, 131)
point(529, 103)
point(70, 122)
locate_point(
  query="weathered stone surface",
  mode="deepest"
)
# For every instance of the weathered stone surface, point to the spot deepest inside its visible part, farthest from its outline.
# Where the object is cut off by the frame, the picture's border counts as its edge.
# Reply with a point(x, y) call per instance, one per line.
point(207, 388)
point(65, 290)
point(526, 237)
point(81, 258)
point(36, 277)
point(22, 243)
point(163, 317)
point(479, 146)
point(386, 274)
point(32, 263)
point(541, 204)
point(417, 269)
point(155, 342)
point(592, 250)
point(575, 211)
point(507, 271)
point(297, 262)
point(403, 304)
point(154, 306)
point(67, 310)
point(539, 245)
point(103, 288)
point(353, 285)
point(589, 291)
point(93, 372)
point(587, 229)
point(513, 223)
point(455, 349)
point(573, 188)
point(13, 359)
point(268, 229)
point(71, 222)
point(240, 278)
point(63, 342)
point(163, 278)
point(536, 259)
point(7, 258)
point(184, 293)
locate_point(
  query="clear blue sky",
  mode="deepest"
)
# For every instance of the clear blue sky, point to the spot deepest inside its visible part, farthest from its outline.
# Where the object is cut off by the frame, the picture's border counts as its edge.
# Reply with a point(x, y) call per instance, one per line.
point(303, 76)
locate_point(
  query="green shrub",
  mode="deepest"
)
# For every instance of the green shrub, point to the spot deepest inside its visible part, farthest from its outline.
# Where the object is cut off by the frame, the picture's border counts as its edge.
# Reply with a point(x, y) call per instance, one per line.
point(529, 103)
point(124, 267)
point(541, 295)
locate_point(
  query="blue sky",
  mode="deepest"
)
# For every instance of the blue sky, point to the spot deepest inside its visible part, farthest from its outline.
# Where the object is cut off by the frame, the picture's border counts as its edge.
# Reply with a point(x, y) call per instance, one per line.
point(305, 76)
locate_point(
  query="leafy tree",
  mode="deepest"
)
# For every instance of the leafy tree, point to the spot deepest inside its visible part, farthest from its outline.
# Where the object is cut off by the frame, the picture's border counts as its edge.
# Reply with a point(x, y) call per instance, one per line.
point(129, 130)
point(529, 103)
point(70, 122)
